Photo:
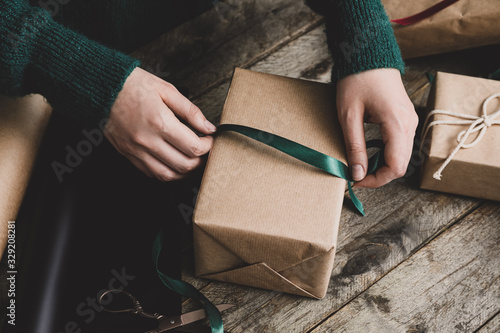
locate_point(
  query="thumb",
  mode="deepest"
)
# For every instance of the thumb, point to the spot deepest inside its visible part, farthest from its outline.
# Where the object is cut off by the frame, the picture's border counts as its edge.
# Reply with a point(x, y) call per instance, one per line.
point(354, 137)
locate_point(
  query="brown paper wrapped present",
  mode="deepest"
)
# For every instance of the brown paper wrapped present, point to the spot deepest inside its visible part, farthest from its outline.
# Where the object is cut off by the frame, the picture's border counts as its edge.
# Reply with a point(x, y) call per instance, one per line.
point(22, 124)
point(464, 24)
point(463, 137)
point(262, 218)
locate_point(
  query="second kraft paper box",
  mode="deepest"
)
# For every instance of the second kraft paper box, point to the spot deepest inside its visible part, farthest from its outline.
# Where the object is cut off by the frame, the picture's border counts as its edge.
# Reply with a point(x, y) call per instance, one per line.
point(262, 218)
point(462, 25)
point(474, 171)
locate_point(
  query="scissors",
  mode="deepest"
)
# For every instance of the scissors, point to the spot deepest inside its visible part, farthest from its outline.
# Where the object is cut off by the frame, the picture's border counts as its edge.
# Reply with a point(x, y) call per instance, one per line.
point(165, 323)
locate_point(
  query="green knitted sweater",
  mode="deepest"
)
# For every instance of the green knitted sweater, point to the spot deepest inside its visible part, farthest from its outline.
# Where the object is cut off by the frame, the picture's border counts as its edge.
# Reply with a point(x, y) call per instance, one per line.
point(81, 77)
point(359, 36)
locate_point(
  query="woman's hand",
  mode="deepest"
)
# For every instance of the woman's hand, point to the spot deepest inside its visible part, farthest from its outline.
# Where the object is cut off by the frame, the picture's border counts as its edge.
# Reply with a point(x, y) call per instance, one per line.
point(144, 126)
point(376, 96)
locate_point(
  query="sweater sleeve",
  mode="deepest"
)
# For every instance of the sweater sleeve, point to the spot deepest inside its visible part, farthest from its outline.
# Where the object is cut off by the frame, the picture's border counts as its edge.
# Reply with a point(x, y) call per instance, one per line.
point(359, 35)
point(78, 77)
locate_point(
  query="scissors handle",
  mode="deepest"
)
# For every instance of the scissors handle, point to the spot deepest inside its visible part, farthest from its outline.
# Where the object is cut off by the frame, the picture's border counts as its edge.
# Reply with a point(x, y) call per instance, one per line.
point(192, 328)
point(136, 306)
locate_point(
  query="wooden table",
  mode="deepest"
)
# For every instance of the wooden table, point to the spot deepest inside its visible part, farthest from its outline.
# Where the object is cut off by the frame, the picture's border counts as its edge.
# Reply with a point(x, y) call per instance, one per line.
point(420, 261)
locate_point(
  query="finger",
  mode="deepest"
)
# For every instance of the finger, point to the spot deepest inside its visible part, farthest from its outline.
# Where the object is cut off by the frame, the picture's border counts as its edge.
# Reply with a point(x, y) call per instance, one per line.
point(158, 169)
point(396, 154)
point(186, 110)
point(183, 138)
point(354, 137)
point(174, 158)
point(381, 177)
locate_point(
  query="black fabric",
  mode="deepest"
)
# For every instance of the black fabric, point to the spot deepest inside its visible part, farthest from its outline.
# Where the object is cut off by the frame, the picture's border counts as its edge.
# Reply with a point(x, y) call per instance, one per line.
point(102, 218)
point(124, 25)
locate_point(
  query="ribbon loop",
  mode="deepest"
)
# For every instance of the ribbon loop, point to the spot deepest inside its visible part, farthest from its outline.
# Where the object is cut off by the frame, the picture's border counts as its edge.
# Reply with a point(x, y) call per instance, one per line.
point(425, 14)
point(311, 156)
point(477, 124)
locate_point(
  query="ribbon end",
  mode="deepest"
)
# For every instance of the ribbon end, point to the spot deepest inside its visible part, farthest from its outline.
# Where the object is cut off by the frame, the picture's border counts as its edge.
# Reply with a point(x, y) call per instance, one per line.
point(437, 175)
point(362, 211)
point(357, 203)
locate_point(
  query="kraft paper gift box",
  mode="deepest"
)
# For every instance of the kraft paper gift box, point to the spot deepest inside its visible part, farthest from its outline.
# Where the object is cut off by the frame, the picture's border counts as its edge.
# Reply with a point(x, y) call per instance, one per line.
point(464, 24)
point(22, 124)
point(262, 218)
point(473, 171)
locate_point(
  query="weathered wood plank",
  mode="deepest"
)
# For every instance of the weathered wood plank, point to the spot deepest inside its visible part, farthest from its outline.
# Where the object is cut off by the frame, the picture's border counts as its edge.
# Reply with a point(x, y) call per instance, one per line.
point(492, 326)
point(294, 60)
point(202, 53)
point(364, 256)
point(451, 285)
point(306, 57)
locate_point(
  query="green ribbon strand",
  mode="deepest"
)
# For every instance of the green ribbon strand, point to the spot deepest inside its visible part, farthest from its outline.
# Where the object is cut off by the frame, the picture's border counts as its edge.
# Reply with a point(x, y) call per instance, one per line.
point(496, 75)
point(186, 289)
point(294, 149)
point(310, 156)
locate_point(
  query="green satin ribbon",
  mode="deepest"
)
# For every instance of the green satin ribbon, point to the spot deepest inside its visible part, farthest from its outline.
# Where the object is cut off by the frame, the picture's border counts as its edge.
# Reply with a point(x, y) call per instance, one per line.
point(310, 156)
point(496, 75)
point(294, 149)
point(186, 289)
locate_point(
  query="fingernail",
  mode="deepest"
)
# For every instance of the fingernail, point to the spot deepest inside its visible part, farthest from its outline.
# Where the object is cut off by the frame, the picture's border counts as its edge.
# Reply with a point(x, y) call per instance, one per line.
point(211, 127)
point(358, 173)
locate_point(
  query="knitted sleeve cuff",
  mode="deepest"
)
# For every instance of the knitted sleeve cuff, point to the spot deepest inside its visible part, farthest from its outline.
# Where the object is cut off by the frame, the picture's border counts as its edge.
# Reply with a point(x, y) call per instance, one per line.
point(360, 36)
point(78, 77)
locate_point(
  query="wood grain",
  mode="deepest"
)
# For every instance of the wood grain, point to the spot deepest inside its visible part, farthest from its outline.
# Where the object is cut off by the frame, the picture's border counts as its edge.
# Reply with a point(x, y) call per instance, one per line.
point(451, 285)
point(368, 249)
point(294, 60)
point(203, 52)
point(492, 326)
point(307, 57)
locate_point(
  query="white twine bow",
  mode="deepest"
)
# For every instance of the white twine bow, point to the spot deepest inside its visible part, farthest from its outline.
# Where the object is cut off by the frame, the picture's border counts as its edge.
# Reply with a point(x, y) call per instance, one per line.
point(481, 124)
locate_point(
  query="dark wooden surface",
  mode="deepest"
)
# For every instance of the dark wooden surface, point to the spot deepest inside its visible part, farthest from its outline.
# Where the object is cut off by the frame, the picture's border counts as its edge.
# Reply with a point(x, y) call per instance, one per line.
point(420, 261)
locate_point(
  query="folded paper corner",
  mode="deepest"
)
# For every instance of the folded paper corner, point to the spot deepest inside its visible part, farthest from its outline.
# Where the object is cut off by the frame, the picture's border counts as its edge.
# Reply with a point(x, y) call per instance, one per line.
point(260, 275)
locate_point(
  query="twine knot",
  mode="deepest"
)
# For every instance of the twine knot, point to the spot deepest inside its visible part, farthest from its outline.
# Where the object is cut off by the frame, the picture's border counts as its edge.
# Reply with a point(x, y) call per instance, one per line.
point(477, 124)
point(487, 121)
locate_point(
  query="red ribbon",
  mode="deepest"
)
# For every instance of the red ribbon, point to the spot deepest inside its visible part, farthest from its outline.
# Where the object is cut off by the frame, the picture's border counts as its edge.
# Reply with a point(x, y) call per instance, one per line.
point(425, 14)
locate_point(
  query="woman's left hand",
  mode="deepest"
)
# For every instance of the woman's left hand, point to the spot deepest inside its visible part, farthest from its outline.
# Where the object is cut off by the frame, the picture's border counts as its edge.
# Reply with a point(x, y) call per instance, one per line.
point(376, 96)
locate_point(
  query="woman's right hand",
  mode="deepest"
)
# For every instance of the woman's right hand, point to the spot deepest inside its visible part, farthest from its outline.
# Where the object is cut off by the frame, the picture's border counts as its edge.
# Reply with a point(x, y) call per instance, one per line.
point(144, 125)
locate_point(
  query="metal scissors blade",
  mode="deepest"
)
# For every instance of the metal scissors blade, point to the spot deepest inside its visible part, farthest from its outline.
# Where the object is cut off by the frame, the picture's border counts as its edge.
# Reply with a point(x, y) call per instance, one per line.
point(170, 323)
